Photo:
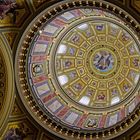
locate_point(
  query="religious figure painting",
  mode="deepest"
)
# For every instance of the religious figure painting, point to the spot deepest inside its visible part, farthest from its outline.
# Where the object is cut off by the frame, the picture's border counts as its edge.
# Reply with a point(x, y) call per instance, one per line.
point(9, 8)
point(103, 61)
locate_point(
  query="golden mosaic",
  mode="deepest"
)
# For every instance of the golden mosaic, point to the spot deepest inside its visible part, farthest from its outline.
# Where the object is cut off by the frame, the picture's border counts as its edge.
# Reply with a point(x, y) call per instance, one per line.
point(97, 63)
point(79, 70)
point(84, 60)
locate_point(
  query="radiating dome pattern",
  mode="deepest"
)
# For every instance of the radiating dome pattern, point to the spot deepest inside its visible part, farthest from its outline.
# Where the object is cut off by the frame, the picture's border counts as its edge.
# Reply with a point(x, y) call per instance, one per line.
point(85, 60)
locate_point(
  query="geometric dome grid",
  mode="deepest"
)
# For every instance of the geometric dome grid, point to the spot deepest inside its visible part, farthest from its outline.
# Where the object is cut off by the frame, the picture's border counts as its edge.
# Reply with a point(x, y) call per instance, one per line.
point(79, 70)
point(85, 57)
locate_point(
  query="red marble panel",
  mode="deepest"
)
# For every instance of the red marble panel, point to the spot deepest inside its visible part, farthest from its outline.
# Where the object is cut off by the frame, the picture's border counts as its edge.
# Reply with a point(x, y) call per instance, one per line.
point(39, 58)
point(58, 22)
point(102, 121)
point(63, 112)
point(137, 99)
point(122, 113)
point(49, 97)
point(82, 120)
point(77, 12)
point(39, 79)
point(44, 37)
